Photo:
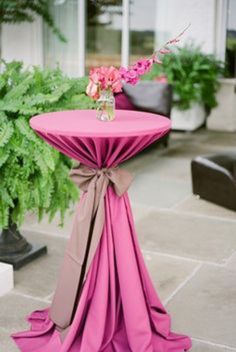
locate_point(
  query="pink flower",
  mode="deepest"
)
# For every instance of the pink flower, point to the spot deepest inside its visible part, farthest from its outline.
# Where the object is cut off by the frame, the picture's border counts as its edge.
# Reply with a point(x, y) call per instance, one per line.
point(113, 79)
point(157, 61)
point(143, 66)
point(94, 75)
point(164, 51)
point(103, 78)
point(92, 90)
point(129, 75)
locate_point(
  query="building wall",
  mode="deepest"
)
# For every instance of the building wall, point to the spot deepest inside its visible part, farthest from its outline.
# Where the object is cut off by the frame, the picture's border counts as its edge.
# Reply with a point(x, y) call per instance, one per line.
point(23, 42)
point(207, 18)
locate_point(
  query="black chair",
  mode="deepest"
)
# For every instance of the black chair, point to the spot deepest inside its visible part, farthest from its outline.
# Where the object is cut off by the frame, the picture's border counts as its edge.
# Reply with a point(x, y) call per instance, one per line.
point(214, 178)
point(147, 96)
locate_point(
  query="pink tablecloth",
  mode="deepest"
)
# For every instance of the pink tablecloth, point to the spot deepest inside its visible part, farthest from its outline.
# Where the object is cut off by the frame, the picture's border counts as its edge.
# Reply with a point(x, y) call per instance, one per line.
point(118, 310)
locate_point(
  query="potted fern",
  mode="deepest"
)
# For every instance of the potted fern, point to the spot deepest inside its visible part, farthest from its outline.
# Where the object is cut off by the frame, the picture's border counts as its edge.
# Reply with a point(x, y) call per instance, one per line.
point(194, 76)
point(34, 177)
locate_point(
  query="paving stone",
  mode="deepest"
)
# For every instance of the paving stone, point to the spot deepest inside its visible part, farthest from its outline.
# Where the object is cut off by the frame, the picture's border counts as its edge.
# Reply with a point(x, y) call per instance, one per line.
point(139, 211)
point(14, 308)
point(195, 205)
point(222, 139)
point(205, 306)
point(150, 190)
point(6, 342)
point(162, 167)
point(167, 273)
point(50, 228)
point(204, 347)
point(191, 150)
point(39, 277)
point(231, 264)
point(195, 237)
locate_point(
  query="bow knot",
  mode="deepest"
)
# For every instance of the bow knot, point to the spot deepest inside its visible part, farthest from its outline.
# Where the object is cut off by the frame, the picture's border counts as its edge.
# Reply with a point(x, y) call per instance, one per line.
point(86, 177)
point(85, 237)
point(101, 171)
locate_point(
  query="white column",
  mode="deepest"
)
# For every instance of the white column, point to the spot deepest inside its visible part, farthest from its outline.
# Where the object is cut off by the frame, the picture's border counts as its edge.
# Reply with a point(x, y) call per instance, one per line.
point(220, 28)
point(81, 36)
point(125, 34)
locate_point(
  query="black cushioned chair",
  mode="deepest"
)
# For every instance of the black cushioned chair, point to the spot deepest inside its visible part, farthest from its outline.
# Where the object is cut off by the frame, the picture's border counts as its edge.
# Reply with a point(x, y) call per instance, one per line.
point(214, 178)
point(147, 96)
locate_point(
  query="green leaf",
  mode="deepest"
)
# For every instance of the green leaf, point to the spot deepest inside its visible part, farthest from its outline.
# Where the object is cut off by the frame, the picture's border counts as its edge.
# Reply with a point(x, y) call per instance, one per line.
point(6, 131)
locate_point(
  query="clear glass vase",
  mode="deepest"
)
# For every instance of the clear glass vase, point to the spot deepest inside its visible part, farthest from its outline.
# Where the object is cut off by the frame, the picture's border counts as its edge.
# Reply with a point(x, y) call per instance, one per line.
point(106, 106)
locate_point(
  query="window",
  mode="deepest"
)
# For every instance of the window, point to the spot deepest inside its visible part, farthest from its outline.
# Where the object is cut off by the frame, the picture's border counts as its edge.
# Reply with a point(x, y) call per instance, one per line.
point(142, 28)
point(103, 33)
point(99, 32)
point(231, 39)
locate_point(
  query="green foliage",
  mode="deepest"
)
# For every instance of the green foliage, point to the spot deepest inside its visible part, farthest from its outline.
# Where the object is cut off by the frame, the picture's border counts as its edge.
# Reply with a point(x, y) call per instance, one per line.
point(33, 175)
point(192, 74)
point(16, 11)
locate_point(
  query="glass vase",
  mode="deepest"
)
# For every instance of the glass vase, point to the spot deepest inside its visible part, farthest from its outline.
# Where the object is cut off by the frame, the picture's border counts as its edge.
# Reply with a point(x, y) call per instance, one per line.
point(106, 106)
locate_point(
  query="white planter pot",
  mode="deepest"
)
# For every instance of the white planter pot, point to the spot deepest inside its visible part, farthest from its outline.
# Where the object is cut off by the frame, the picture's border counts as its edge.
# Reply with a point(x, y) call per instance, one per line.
point(223, 117)
point(6, 278)
point(188, 120)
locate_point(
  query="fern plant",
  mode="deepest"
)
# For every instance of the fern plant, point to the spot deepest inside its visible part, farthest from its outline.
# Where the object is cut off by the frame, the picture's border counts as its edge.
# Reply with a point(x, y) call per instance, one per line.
point(33, 175)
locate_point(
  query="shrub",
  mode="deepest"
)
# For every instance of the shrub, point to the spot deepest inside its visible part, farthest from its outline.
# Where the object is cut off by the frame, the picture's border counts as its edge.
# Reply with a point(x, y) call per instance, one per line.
point(193, 75)
point(33, 175)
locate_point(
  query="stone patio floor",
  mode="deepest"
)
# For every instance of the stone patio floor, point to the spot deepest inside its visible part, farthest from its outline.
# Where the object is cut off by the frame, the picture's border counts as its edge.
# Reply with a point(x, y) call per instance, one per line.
point(189, 246)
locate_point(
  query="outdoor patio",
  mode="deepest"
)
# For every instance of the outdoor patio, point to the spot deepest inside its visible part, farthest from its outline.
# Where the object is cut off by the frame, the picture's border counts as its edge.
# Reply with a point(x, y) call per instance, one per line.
point(189, 247)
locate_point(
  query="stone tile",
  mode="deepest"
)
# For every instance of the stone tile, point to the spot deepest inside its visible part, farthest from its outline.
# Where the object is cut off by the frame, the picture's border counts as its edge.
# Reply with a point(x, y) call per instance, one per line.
point(189, 236)
point(162, 167)
point(195, 205)
point(7, 344)
point(150, 190)
point(143, 161)
point(198, 136)
point(222, 139)
point(39, 277)
point(231, 264)
point(50, 228)
point(167, 273)
point(191, 150)
point(139, 211)
point(205, 307)
point(14, 308)
point(204, 347)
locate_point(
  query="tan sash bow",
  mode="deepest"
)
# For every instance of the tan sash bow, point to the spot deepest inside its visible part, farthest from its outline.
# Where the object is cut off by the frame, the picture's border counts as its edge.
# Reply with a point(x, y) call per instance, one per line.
point(85, 237)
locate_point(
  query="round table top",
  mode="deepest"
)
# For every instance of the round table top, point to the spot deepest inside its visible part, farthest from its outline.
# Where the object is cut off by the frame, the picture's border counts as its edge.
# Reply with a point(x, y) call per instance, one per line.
point(83, 123)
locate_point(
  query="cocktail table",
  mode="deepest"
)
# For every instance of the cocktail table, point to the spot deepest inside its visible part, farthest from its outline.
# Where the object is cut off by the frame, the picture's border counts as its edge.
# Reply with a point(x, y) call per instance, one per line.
point(105, 300)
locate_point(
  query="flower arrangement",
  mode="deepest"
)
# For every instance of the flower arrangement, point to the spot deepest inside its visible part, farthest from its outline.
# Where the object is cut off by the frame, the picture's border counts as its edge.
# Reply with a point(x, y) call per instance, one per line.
point(111, 79)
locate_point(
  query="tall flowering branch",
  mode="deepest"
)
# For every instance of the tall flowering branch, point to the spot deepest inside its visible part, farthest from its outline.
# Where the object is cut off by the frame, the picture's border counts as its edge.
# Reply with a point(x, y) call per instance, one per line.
point(111, 78)
point(132, 74)
point(165, 48)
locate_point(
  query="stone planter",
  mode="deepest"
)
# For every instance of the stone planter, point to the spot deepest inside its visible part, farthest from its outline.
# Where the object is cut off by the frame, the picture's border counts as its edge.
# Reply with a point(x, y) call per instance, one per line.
point(223, 117)
point(188, 120)
point(6, 278)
